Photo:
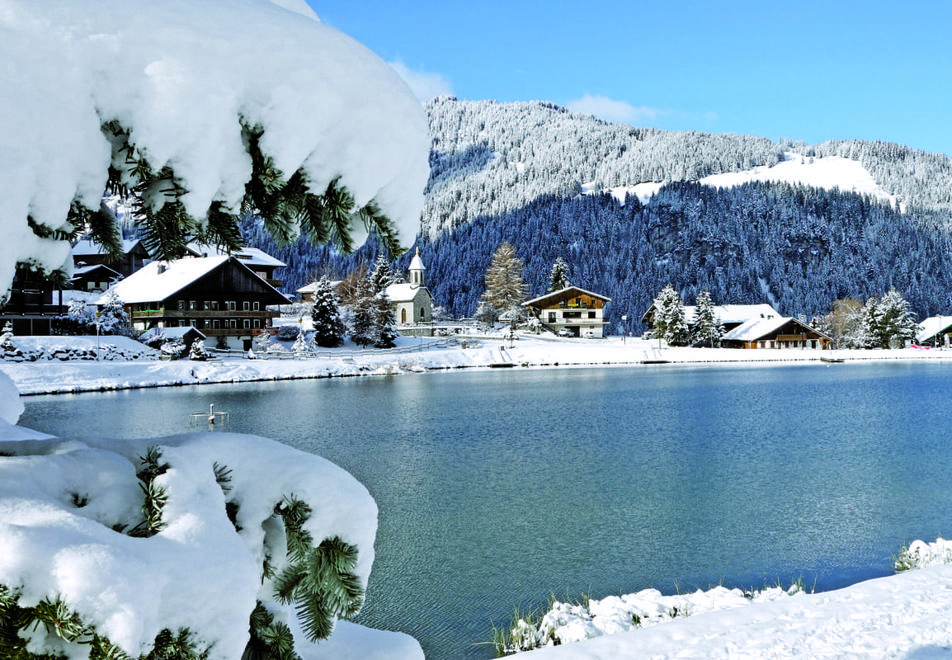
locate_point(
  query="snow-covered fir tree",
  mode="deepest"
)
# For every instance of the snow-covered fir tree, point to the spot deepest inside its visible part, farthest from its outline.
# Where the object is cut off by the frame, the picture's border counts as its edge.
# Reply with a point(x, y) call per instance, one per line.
point(505, 289)
point(385, 321)
point(381, 275)
point(558, 276)
point(325, 314)
point(113, 318)
point(889, 323)
point(363, 313)
point(669, 323)
point(707, 327)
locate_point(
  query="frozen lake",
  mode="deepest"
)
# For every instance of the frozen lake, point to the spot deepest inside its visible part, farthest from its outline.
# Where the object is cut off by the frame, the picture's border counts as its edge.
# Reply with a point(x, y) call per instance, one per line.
point(497, 488)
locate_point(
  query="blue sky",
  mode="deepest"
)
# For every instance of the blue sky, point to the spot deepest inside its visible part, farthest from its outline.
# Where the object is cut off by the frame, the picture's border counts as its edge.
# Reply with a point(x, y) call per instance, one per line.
point(804, 70)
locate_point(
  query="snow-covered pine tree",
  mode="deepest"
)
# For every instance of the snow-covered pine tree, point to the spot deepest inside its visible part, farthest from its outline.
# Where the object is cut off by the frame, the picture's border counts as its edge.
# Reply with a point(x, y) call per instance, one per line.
point(381, 276)
point(558, 277)
point(113, 319)
point(505, 289)
point(707, 327)
point(363, 314)
point(669, 323)
point(325, 314)
point(889, 320)
point(385, 321)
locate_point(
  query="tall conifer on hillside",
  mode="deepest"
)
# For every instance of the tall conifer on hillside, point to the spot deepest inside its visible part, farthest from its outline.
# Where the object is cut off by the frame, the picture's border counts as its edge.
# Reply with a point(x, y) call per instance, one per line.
point(558, 277)
point(669, 321)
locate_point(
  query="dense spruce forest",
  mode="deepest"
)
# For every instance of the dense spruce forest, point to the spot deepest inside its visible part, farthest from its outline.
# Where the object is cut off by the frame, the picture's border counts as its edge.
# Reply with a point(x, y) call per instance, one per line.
point(514, 172)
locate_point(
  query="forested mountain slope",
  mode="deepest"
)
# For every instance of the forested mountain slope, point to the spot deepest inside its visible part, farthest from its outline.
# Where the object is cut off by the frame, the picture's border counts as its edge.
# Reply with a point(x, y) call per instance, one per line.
point(515, 171)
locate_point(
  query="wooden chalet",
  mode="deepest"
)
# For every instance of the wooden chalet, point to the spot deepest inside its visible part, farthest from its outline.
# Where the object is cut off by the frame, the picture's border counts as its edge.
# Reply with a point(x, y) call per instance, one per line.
point(134, 256)
point(30, 305)
point(575, 311)
point(775, 332)
point(259, 261)
point(97, 277)
point(219, 296)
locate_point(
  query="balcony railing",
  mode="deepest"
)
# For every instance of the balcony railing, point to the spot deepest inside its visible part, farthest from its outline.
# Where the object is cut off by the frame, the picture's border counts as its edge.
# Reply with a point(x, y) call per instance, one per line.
point(204, 314)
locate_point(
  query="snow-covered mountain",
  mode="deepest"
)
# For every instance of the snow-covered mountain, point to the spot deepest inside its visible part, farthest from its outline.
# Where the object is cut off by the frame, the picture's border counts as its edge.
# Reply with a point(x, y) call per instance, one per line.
point(490, 157)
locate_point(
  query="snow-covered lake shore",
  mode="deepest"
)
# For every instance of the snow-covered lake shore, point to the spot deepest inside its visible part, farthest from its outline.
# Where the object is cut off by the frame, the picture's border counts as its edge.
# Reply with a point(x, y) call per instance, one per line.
point(413, 355)
point(901, 616)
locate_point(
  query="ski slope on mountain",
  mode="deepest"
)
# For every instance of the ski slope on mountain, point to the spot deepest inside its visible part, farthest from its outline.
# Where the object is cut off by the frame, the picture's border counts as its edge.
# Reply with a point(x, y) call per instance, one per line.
point(831, 172)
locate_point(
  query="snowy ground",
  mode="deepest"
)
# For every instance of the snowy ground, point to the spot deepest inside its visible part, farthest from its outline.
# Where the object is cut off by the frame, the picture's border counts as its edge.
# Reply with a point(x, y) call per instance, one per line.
point(412, 355)
point(907, 615)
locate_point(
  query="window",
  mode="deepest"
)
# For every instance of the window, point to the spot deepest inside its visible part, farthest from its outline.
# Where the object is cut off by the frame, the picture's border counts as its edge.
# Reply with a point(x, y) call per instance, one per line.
point(247, 324)
point(591, 315)
point(181, 304)
point(231, 305)
point(245, 306)
point(215, 305)
point(208, 305)
point(257, 323)
point(551, 317)
point(216, 324)
point(256, 306)
point(192, 305)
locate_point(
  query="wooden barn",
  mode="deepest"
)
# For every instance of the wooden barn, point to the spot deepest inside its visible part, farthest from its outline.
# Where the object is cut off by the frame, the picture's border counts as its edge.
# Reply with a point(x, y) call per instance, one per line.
point(775, 332)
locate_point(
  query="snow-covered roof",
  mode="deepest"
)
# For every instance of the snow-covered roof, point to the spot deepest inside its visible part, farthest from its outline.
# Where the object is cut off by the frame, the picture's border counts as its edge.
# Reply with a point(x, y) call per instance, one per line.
point(178, 332)
point(404, 292)
point(249, 256)
point(932, 326)
point(83, 270)
point(312, 287)
point(757, 327)
point(416, 263)
point(562, 294)
point(158, 280)
point(86, 247)
point(729, 314)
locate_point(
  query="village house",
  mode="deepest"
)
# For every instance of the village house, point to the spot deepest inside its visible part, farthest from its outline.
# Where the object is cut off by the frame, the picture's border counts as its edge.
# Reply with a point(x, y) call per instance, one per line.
point(729, 316)
point(775, 332)
point(411, 301)
point(95, 277)
point(260, 262)
point(134, 255)
point(220, 296)
point(30, 307)
point(571, 312)
point(934, 331)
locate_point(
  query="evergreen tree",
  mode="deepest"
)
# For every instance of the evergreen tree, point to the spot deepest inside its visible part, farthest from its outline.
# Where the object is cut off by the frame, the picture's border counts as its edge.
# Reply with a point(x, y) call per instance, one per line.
point(669, 323)
point(707, 327)
point(505, 289)
point(889, 321)
point(382, 274)
point(558, 278)
point(385, 321)
point(363, 322)
point(113, 319)
point(325, 315)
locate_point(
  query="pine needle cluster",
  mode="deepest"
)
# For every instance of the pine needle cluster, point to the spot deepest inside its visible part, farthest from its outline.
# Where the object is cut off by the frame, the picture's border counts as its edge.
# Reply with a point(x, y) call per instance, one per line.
point(318, 580)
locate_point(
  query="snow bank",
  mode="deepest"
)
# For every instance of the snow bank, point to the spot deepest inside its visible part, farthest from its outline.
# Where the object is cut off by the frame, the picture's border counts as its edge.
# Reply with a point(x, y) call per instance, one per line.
point(900, 616)
point(181, 75)
point(61, 502)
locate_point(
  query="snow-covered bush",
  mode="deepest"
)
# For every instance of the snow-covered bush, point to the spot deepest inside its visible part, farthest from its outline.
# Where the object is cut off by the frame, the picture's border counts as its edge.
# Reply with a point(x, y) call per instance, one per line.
point(197, 351)
point(173, 348)
point(126, 547)
point(920, 554)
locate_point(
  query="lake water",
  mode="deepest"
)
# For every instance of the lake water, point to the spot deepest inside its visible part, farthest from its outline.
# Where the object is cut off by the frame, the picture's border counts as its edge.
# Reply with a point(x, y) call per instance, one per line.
point(498, 488)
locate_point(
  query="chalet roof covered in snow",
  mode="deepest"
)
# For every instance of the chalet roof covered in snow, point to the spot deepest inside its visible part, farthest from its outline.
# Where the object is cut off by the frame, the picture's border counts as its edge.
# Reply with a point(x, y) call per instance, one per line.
point(725, 314)
point(932, 326)
point(159, 280)
point(249, 256)
point(554, 297)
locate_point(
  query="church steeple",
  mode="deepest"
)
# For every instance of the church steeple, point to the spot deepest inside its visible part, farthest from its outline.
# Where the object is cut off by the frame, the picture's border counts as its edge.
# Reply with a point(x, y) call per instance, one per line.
point(417, 271)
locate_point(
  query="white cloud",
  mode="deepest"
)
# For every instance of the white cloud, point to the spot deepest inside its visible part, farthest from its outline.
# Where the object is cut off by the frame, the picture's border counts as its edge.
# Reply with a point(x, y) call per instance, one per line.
point(424, 86)
point(612, 110)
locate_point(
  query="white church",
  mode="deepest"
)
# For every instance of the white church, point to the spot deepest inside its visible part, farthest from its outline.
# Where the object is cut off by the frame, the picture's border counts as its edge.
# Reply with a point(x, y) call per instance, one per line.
point(412, 302)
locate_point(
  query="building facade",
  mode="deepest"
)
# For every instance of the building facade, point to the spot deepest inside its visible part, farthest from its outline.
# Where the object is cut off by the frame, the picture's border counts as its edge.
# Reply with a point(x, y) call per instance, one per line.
point(572, 311)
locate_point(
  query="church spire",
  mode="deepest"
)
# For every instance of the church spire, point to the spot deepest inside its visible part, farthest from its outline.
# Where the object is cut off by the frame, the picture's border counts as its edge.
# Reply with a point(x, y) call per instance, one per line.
point(417, 270)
